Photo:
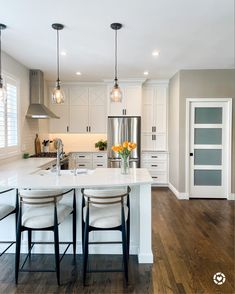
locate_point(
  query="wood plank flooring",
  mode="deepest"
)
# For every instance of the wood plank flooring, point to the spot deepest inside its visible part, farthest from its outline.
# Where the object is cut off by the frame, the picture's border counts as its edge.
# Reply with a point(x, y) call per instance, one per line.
point(192, 240)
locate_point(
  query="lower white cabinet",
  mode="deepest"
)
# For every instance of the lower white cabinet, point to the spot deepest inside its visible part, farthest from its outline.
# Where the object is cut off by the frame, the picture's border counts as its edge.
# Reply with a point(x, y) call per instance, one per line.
point(88, 160)
point(157, 165)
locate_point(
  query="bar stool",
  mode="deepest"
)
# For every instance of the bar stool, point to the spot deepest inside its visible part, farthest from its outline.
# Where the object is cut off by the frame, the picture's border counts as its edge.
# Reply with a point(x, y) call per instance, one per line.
point(105, 210)
point(5, 211)
point(41, 210)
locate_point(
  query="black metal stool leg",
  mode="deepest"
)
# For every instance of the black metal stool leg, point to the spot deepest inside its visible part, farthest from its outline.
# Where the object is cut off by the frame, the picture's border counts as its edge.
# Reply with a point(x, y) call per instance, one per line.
point(57, 253)
point(85, 248)
point(124, 247)
point(74, 225)
point(18, 243)
point(29, 242)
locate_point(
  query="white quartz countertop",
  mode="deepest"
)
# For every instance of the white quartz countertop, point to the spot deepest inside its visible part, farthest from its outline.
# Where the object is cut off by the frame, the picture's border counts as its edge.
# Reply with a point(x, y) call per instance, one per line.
point(25, 173)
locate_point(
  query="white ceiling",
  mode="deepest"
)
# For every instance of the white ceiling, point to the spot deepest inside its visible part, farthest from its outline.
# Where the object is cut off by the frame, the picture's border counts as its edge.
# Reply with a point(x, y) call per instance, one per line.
point(189, 35)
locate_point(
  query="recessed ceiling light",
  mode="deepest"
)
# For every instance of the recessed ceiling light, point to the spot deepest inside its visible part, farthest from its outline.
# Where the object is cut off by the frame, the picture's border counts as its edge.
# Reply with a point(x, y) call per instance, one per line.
point(146, 73)
point(63, 53)
point(78, 73)
point(155, 53)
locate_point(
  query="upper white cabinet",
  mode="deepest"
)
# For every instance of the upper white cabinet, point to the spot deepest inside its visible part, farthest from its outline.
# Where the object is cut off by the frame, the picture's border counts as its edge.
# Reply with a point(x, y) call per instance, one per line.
point(154, 116)
point(83, 112)
point(131, 103)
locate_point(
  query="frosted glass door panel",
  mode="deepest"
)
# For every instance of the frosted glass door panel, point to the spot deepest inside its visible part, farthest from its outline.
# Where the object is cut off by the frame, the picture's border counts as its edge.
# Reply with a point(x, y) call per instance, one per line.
point(207, 177)
point(208, 115)
point(207, 136)
point(207, 156)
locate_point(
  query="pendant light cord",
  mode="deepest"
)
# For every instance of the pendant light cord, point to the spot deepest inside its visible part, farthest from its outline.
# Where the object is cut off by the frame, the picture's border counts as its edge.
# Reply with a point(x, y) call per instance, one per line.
point(115, 56)
point(58, 59)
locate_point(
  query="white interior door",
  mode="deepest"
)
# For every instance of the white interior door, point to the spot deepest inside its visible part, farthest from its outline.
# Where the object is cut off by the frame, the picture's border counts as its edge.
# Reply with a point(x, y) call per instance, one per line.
point(208, 147)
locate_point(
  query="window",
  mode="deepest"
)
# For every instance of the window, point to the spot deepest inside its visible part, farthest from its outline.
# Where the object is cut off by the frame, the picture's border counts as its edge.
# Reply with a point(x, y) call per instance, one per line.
point(9, 120)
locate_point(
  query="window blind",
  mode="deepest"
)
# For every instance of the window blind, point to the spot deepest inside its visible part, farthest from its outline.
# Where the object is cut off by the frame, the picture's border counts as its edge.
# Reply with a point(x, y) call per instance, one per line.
point(9, 119)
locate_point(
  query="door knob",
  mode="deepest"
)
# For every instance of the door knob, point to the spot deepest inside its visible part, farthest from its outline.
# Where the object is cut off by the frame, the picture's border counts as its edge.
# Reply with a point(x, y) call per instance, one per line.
point(190, 154)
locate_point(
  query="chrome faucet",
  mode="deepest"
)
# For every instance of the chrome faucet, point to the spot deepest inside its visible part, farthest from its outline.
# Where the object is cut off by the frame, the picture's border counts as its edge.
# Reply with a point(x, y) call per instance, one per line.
point(59, 149)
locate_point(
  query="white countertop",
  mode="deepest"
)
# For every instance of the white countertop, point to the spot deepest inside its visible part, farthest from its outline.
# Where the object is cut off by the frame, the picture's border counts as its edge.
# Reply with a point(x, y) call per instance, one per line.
point(24, 173)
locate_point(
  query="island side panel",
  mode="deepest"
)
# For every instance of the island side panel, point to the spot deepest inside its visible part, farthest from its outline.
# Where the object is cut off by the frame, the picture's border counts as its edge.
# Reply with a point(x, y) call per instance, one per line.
point(145, 254)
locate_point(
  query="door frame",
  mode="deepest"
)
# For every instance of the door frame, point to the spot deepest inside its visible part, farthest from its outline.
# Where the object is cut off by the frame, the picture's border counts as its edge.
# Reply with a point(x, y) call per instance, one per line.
point(228, 149)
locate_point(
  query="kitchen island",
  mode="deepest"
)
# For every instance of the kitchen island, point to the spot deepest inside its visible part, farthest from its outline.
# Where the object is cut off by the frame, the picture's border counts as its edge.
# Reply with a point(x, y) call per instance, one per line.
point(32, 173)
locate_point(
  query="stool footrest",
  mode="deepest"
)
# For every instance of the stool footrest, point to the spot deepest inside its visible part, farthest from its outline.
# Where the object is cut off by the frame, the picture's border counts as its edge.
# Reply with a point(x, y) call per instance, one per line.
point(6, 242)
point(106, 242)
point(105, 271)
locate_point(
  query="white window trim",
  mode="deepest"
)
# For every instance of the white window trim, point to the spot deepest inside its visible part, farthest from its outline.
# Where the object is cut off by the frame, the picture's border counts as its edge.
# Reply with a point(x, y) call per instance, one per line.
point(8, 152)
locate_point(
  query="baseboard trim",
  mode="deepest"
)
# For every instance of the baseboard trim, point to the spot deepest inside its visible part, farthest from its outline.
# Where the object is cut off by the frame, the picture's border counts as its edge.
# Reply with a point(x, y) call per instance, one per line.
point(179, 195)
point(231, 196)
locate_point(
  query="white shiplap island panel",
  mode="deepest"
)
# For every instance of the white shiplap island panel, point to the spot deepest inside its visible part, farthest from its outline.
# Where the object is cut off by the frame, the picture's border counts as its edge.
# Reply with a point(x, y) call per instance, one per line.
point(31, 173)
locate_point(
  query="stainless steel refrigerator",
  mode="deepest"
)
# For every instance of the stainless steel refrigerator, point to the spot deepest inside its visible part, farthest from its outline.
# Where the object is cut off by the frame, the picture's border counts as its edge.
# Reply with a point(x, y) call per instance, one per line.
point(122, 129)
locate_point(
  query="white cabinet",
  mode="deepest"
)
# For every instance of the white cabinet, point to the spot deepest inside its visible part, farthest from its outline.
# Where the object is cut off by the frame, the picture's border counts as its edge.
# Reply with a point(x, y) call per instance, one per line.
point(84, 110)
point(88, 160)
point(157, 165)
point(131, 101)
point(154, 117)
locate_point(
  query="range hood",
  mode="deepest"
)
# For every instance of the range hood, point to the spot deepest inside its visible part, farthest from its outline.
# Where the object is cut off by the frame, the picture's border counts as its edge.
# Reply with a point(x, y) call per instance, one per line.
point(37, 109)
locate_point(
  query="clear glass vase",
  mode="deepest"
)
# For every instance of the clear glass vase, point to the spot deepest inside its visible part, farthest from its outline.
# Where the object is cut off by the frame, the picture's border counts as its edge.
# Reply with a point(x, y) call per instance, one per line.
point(125, 166)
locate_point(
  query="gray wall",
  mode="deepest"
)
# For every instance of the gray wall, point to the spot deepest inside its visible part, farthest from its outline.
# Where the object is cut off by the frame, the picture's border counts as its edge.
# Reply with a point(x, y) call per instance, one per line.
point(199, 84)
point(173, 130)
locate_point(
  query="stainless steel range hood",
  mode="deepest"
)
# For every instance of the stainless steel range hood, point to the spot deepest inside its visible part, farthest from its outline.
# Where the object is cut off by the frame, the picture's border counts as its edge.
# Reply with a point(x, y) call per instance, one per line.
point(37, 109)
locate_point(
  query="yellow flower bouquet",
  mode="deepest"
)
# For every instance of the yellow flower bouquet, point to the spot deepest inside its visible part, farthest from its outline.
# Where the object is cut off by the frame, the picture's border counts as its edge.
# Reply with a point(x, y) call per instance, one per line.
point(124, 151)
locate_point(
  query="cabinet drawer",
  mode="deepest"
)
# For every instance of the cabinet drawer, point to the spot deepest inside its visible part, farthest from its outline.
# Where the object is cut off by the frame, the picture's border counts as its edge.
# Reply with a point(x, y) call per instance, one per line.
point(155, 165)
point(99, 164)
point(159, 178)
point(84, 165)
point(83, 156)
point(99, 156)
point(151, 156)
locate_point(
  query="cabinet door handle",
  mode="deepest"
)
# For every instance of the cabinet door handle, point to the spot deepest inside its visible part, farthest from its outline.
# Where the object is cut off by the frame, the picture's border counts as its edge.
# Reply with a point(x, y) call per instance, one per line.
point(123, 111)
point(153, 137)
point(67, 128)
point(155, 165)
point(99, 164)
point(154, 156)
point(81, 165)
point(99, 156)
point(81, 156)
point(89, 129)
point(154, 177)
point(154, 129)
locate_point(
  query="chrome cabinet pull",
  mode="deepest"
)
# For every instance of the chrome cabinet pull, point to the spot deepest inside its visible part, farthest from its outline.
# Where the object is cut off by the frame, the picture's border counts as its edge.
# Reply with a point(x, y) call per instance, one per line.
point(154, 156)
point(67, 128)
point(155, 165)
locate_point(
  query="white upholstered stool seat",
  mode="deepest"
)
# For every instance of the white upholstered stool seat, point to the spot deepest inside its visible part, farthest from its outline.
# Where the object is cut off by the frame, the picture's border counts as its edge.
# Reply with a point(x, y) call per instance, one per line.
point(43, 216)
point(5, 209)
point(101, 215)
point(105, 217)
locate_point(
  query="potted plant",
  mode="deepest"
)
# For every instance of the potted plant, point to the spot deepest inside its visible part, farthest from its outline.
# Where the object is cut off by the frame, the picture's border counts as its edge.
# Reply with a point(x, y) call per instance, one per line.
point(102, 145)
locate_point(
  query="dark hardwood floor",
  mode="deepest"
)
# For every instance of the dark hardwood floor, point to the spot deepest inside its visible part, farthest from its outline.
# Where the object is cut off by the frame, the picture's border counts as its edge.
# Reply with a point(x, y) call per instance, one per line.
point(192, 240)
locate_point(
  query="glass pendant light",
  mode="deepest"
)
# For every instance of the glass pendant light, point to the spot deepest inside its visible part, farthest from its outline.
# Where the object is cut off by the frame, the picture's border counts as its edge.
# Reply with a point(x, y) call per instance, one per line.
point(58, 96)
point(3, 92)
point(116, 93)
